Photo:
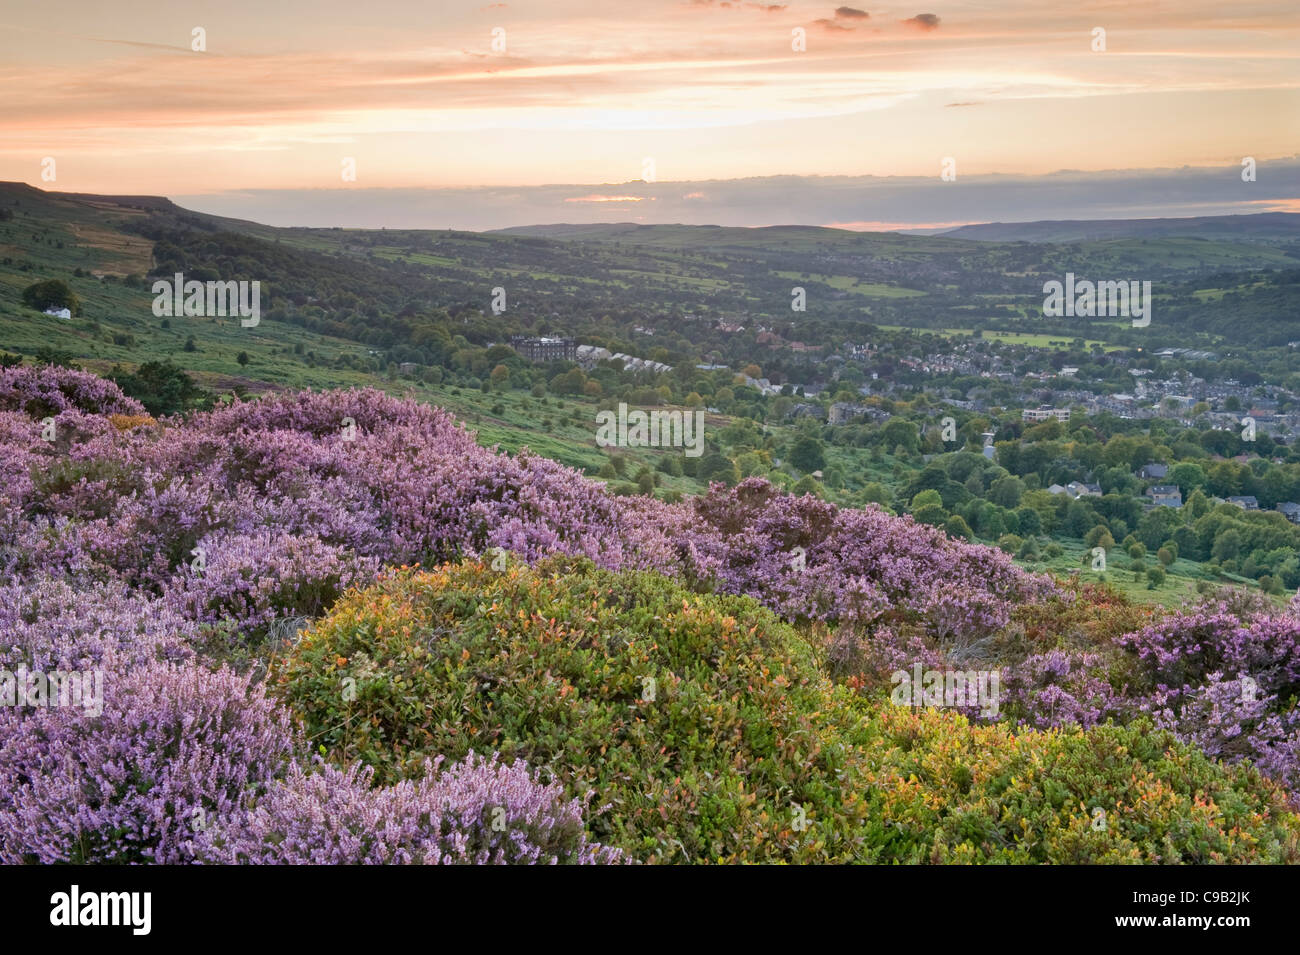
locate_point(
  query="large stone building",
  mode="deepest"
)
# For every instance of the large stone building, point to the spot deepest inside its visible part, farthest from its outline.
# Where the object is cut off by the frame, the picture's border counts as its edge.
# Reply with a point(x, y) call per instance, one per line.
point(545, 349)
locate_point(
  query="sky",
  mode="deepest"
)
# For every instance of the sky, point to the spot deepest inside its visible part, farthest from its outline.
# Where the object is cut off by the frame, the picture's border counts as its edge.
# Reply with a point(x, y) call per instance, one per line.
point(473, 115)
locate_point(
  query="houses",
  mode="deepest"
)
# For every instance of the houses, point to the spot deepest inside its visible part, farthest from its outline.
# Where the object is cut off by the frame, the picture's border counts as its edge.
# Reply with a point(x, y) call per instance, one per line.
point(1164, 495)
point(1246, 502)
point(806, 409)
point(1120, 404)
point(1077, 489)
point(1153, 472)
point(632, 363)
point(842, 412)
point(1045, 414)
point(1191, 354)
point(59, 312)
point(1290, 510)
point(589, 355)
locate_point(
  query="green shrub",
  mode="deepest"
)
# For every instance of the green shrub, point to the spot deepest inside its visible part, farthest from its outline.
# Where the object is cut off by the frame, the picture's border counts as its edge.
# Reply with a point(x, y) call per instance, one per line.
point(558, 667)
point(957, 793)
point(707, 732)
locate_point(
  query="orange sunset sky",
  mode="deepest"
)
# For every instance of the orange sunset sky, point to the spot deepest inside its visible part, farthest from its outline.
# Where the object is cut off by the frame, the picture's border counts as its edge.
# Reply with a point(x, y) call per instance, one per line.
point(584, 92)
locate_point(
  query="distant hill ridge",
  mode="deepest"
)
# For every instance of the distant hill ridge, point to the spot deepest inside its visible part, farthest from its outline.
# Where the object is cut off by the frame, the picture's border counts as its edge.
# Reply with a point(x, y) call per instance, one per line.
point(1262, 226)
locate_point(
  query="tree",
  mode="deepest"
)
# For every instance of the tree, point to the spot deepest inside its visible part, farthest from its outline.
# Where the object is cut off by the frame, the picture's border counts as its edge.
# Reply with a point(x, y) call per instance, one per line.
point(900, 433)
point(927, 498)
point(1099, 536)
point(932, 514)
point(807, 454)
point(1158, 525)
point(876, 493)
point(1227, 545)
point(243, 358)
point(1080, 518)
point(52, 293)
point(160, 386)
point(1030, 521)
point(716, 467)
point(1188, 475)
point(1198, 505)
point(1155, 577)
point(956, 526)
point(1009, 543)
point(1007, 491)
point(1165, 556)
point(807, 485)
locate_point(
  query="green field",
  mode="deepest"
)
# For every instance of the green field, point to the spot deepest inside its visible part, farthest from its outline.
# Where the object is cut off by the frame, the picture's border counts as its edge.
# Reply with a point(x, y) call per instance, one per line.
point(1013, 338)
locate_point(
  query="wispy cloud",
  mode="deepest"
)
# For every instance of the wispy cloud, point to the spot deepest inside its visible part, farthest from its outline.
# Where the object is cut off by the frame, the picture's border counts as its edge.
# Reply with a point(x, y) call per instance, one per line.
point(923, 21)
point(712, 89)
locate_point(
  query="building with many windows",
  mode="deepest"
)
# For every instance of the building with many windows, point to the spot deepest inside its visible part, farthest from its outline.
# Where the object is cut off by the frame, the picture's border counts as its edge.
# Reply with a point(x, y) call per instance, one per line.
point(545, 349)
point(1045, 414)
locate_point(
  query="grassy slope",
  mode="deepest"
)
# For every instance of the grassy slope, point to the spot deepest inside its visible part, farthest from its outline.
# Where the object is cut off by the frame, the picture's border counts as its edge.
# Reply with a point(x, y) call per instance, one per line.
point(52, 236)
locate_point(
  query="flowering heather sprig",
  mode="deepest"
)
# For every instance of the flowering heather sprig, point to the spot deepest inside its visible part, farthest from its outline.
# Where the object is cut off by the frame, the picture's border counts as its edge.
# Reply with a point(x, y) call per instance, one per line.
point(47, 390)
point(176, 750)
point(807, 558)
point(1183, 648)
point(1234, 721)
point(407, 485)
point(256, 577)
point(1062, 688)
point(473, 812)
point(1225, 679)
point(46, 623)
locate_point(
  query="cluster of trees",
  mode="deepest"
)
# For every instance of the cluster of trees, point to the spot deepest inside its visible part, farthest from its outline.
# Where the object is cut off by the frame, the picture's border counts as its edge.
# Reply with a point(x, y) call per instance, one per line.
point(161, 387)
point(51, 293)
